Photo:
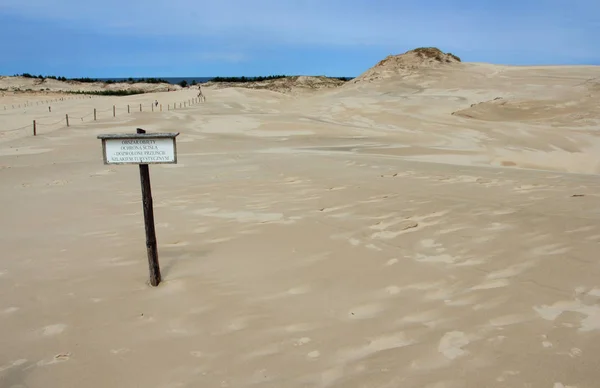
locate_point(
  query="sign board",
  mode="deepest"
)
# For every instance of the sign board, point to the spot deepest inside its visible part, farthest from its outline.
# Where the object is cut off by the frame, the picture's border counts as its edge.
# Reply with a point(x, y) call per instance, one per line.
point(139, 148)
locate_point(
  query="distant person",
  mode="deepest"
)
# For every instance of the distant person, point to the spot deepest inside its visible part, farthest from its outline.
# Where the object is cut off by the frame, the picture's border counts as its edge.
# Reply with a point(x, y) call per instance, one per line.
point(200, 94)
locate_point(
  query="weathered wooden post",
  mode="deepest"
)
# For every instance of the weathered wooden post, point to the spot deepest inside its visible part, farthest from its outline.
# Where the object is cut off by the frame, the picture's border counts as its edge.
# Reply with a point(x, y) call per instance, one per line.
point(143, 148)
point(140, 107)
point(128, 108)
point(114, 111)
point(94, 114)
point(161, 107)
point(67, 118)
point(34, 129)
point(152, 106)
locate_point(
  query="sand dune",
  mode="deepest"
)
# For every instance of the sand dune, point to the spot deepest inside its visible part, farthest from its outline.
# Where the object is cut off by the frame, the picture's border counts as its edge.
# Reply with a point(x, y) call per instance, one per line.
point(10, 85)
point(405, 231)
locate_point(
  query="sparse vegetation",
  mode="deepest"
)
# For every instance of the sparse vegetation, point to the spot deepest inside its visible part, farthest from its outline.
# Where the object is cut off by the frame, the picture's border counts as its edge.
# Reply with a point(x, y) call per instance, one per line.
point(183, 84)
point(434, 52)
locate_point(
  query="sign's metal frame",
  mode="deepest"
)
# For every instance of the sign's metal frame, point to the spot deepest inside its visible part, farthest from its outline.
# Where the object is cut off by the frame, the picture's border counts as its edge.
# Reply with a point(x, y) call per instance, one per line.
point(138, 136)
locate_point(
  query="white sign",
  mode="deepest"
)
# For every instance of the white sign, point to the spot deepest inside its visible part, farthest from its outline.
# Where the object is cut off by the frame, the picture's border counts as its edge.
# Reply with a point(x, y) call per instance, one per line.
point(144, 149)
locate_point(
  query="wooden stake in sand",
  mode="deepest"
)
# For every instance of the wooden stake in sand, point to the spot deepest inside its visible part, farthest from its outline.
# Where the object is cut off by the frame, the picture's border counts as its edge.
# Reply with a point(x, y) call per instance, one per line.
point(143, 148)
point(34, 129)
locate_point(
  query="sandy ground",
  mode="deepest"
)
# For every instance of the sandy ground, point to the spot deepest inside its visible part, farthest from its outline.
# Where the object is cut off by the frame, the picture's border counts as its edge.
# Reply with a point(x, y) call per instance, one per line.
point(358, 237)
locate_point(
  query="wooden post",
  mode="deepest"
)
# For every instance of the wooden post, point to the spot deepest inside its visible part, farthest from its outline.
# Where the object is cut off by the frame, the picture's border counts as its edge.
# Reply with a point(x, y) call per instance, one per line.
point(128, 108)
point(114, 111)
point(152, 106)
point(49, 109)
point(161, 107)
point(140, 107)
point(94, 114)
point(34, 129)
point(153, 265)
point(67, 117)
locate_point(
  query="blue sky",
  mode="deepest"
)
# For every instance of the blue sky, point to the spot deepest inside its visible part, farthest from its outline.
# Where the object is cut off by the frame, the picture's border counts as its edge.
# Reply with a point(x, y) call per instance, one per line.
point(110, 38)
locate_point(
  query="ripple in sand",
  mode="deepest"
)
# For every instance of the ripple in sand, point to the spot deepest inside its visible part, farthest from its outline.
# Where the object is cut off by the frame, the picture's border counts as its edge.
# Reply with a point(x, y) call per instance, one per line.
point(54, 329)
point(367, 311)
point(376, 345)
point(499, 283)
point(14, 363)
point(23, 151)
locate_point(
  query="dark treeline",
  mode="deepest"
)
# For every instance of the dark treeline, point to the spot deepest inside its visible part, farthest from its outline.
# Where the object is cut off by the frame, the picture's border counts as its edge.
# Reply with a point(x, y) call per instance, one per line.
point(262, 78)
point(108, 92)
point(247, 79)
point(91, 80)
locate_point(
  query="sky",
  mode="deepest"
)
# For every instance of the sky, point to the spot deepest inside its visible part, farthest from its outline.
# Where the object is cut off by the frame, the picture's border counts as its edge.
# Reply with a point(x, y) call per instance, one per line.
point(135, 38)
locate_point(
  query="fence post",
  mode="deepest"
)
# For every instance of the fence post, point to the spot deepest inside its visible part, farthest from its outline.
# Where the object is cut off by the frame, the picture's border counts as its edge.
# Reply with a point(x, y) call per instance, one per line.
point(114, 111)
point(152, 106)
point(161, 107)
point(67, 118)
point(140, 107)
point(94, 114)
point(34, 129)
point(128, 108)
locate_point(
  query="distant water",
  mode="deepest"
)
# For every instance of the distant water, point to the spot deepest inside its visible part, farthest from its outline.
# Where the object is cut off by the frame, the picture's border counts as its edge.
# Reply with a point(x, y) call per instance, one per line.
point(171, 80)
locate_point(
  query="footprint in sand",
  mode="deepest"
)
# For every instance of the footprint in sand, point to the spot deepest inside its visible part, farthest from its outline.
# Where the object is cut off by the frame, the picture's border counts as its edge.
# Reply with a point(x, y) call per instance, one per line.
point(452, 343)
point(61, 357)
point(314, 354)
point(57, 183)
point(302, 341)
point(398, 227)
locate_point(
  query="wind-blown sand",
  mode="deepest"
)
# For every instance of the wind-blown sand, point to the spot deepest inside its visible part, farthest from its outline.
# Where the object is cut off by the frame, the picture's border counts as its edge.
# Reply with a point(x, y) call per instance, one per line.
point(381, 234)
